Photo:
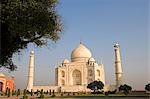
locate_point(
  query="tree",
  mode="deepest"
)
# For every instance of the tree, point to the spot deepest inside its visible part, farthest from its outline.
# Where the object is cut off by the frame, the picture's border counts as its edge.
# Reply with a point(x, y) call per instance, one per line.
point(18, 92)
point(41, 94)
point(125, 89)
point(147, 87)
point(13, 93)
point(25, 94)
point(8, 94)
point(24, 22)
point(95, 85)
point(53, 92)
point(50, 92)
point(31, 92)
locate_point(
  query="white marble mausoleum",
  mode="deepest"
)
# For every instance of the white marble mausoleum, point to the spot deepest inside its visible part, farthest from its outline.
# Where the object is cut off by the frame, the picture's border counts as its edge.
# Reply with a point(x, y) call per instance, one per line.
point(73, 75)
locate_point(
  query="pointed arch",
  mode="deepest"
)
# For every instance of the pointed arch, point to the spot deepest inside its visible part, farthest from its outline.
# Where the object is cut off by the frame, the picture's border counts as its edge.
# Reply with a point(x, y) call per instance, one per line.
point(90, 73)
point(62, 74)
point(62, 82)
point(98, 73)
point(1, 86)
point(77, 77)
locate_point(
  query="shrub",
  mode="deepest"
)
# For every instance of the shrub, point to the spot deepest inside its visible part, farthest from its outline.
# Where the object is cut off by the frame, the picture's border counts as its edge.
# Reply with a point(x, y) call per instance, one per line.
point(25, 94)
point(47, 92)
point(31, 92)
point(25, 97)
point(112, 92)
point(106, 93)
point(53, 95)
point(147, 87)
point(96, 86)
point(1, 93)
point(97, 92)
point(125, 88)
point(61, 94)
point(12, 93)
point(53, 92)
point(37, 92)
point(41, 94)
point(73, 93)
point(50, 92)
point(8, 93)
point(18, 92)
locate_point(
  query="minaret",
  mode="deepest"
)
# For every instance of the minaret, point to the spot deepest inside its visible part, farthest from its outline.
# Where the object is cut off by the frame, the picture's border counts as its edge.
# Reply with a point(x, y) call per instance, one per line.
point(118, 66)
point(30, 71)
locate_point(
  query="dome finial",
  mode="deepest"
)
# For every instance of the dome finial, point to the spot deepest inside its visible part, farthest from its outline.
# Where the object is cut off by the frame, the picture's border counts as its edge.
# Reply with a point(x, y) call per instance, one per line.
point(80, 41)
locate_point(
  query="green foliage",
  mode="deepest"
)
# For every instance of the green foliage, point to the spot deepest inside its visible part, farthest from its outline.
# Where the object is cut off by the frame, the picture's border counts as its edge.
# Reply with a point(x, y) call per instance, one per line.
point(41, 91)
point(25, 97)
point(25, 94)
point(95, 85)
point(147, 87)
point(53, 95)
point(110, 92)
point(12, 93)
point(41, 94)
point(8, 94)
point(46, 92)
point(18, 92)
point(31, 92)
point(24, 22)
point(125, 88)
point(1, 93)
point(50, 92)
point(37, 92)
point(53, 92)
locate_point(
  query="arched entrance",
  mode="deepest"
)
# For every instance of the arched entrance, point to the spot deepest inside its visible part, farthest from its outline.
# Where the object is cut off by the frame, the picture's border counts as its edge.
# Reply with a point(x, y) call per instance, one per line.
point(1, 86)
point(77, 78)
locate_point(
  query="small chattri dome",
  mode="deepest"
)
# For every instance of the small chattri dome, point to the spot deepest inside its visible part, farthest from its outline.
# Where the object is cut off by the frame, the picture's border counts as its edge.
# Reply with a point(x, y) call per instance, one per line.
point(92, 59)
point(65, 61)
point(32, 52)
point(116, 44)
point(81, 52)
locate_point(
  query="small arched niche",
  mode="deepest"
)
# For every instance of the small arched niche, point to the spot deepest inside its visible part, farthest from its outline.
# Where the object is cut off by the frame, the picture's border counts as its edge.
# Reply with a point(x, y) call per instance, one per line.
point(62, 82)
point(98, 73)
point(90, 73)
point(62, 74)
point(77, 77)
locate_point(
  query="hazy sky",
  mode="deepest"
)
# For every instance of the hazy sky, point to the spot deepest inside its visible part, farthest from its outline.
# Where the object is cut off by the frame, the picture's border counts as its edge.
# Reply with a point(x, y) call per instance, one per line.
point(98, 24)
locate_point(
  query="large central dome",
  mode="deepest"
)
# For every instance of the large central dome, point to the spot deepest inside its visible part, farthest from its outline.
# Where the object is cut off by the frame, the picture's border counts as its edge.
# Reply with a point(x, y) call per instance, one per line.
point(81, 52)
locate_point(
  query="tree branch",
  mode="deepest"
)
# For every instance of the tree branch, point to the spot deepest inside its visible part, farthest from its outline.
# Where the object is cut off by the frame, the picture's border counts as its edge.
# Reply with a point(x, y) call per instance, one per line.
point(32, 40)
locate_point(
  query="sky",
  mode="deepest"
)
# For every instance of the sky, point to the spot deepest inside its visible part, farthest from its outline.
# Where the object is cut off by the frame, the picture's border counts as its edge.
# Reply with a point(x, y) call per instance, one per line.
point(98, 24)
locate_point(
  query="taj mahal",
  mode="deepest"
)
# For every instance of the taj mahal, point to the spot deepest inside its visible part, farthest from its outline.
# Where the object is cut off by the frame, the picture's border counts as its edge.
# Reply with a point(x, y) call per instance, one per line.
point(73, 75)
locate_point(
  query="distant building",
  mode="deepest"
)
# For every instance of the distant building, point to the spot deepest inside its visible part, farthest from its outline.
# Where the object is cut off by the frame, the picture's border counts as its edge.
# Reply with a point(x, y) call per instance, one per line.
point(6, 82)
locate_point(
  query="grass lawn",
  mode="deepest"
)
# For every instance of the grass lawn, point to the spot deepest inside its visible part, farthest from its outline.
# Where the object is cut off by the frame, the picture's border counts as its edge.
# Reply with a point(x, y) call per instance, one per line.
point(84, 95)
